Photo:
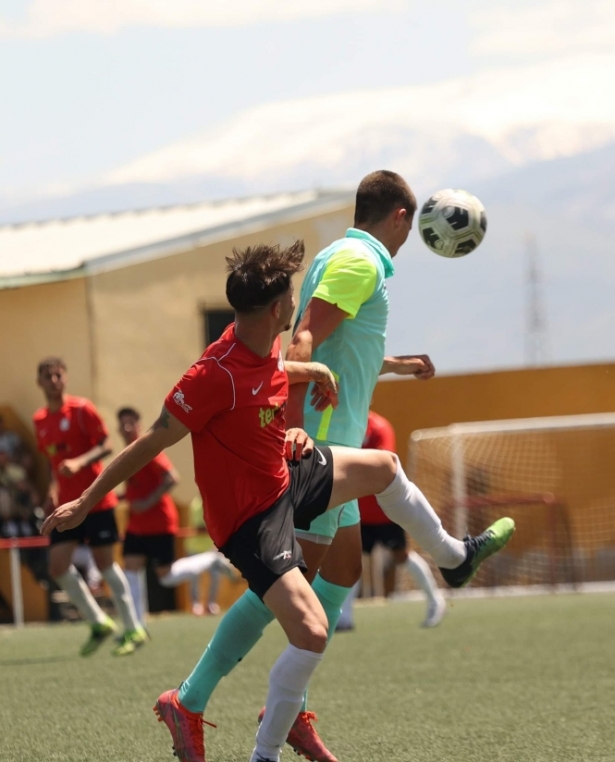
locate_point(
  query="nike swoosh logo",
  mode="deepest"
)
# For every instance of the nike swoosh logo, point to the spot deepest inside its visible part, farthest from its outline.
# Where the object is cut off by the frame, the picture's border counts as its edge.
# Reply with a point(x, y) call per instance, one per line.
point(258, 388)
point(321, 458)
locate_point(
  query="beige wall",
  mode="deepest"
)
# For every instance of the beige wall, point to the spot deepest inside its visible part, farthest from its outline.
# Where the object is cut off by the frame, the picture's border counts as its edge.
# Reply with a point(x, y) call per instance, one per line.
point(528, 393)
point(38, 321)
point(149, 326)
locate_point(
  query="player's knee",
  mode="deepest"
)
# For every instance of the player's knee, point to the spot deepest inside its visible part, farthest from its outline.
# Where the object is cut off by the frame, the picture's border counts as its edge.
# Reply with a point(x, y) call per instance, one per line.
point(387, 465)
point(355, 572)
point(312, 637)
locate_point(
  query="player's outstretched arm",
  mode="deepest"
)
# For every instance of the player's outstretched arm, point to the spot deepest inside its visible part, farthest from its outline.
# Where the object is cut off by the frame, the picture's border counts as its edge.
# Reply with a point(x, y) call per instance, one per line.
point(325, 385)
point(419, 366)
point(166, 431)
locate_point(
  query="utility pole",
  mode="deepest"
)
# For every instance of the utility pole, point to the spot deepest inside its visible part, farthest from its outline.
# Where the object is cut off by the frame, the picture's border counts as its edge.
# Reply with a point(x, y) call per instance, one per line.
point(535, 323)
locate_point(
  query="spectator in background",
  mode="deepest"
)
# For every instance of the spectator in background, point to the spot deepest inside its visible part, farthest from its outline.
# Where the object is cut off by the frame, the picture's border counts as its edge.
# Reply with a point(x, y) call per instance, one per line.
point(17, 450)
point(153, 523)
point(376, 528)
point(21, 515)
point(71, 433)
point(18, 496)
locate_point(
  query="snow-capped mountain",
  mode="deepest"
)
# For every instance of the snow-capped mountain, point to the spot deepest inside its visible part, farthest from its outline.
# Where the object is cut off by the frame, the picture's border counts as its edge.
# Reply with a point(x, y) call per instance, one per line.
point(468, 132)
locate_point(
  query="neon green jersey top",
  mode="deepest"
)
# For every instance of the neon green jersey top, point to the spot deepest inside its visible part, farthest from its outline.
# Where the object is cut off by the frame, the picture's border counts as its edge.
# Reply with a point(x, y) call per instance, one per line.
point(351, 274)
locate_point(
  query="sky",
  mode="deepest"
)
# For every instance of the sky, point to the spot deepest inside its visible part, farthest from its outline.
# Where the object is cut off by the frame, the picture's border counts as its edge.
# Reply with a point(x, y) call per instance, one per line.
point(99, 91)
point(90, 85)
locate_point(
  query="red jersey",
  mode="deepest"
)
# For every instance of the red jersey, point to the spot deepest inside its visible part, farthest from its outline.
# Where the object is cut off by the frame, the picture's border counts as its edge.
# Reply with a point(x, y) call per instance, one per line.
point(233, 402)
point(67, 433)
point(162, 517)
point(380, 435)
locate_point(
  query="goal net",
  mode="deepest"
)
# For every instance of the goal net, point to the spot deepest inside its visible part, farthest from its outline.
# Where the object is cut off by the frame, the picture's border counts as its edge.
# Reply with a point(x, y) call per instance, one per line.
point(554, 476)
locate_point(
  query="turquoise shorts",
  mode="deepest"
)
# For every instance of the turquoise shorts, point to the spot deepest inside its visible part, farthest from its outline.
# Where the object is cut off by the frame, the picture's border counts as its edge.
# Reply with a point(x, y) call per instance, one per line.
point(322, 530)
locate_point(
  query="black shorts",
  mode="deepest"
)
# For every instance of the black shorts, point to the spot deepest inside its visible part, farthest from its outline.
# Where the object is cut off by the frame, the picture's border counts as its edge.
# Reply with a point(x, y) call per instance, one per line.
point(264, 548)
point(157, 548)
point(392, 536)
point(97, 529)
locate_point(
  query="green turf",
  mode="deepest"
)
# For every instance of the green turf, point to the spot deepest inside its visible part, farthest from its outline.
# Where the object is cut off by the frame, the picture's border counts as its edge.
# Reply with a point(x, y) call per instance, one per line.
point(524, 679)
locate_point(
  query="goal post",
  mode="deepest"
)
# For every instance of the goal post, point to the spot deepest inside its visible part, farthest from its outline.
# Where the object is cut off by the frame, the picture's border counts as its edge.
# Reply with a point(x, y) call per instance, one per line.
point(554, 476)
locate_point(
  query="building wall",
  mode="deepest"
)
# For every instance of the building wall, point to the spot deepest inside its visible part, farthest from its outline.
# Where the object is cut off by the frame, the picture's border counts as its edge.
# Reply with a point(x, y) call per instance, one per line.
point(39, 321)
point(148, 325)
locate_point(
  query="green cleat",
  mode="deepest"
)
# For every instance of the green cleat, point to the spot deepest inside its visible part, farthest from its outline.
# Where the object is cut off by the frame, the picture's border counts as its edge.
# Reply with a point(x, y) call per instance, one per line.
point(479, 549)
point(130, 641)
point(99, 633)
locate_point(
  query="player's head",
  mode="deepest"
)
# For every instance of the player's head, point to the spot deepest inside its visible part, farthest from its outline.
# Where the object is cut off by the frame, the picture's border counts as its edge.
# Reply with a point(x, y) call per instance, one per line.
point(259, 284)
point(385, 207)
point(51, 377)
point(129, 424)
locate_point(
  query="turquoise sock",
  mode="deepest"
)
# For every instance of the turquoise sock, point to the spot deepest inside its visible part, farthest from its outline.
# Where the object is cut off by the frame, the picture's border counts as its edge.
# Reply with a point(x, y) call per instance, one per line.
point(238, 632)
point(331, 597)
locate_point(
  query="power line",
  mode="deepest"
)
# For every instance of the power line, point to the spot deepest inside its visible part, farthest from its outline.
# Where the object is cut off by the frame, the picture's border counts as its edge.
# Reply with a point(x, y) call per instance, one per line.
point(535, 321)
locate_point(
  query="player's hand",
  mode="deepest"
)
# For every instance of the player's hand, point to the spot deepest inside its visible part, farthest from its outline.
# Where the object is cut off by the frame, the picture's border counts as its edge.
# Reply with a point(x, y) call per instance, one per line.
point(67, 516)
point(69, 467)
point(298, 444)
point(325, 389)
point(419, 366)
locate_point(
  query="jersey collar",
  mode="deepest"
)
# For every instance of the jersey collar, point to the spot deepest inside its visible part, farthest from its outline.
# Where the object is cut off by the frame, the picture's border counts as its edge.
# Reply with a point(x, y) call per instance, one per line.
point(378, 248)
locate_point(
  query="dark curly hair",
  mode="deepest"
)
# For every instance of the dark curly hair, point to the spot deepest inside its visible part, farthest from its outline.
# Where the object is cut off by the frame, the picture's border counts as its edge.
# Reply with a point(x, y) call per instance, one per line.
point(260, 274)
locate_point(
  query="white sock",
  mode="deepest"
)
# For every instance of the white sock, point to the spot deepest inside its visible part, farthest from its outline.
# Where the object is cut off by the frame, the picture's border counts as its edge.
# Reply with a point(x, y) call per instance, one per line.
point(405, 504)
point(134, 580)
point(421, 573)
point(288, 680)
point(116, 579)
point(74, 586)
point(185, 569)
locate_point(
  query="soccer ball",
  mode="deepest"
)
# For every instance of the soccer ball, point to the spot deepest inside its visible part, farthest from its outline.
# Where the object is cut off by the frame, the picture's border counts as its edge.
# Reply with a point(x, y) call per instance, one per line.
point(452, 223)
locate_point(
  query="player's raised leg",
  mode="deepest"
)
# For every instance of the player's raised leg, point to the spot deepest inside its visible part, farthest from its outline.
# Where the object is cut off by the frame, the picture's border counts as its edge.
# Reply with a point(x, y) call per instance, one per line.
point(365, 472)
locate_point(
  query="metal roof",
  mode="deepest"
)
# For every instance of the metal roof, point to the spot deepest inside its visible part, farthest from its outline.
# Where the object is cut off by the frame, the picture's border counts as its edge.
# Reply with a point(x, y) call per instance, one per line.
point(59, 249)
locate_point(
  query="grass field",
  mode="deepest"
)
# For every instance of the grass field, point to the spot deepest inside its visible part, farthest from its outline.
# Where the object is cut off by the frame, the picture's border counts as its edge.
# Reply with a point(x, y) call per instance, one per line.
point(501, 679)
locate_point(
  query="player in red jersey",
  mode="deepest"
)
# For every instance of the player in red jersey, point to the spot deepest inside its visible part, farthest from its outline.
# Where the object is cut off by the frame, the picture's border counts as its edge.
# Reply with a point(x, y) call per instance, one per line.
point(377, 528)
point(71, 433)
point(257, 479)
point(153, 523)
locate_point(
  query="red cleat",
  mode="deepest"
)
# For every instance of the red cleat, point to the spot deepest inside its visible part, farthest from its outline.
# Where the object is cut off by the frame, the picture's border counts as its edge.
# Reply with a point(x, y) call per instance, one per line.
point(304, 739)
point(186, 727)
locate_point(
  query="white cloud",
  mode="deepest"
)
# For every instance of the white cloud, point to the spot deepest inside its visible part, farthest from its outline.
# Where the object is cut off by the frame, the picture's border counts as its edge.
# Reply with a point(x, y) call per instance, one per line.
point(46, 18)
point(523, 114)
point(560, 27)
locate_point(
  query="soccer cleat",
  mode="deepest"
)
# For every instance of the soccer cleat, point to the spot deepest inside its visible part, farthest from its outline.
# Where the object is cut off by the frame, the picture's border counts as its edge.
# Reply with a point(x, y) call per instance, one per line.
point(478, 549)
point(99, 633)
point(436, 609)
point(186, 727)
point(304, 740)
point(130, 641)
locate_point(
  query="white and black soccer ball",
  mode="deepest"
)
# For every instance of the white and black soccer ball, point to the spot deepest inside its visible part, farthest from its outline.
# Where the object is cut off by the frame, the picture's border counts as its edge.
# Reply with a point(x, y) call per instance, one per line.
point(452, 223)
